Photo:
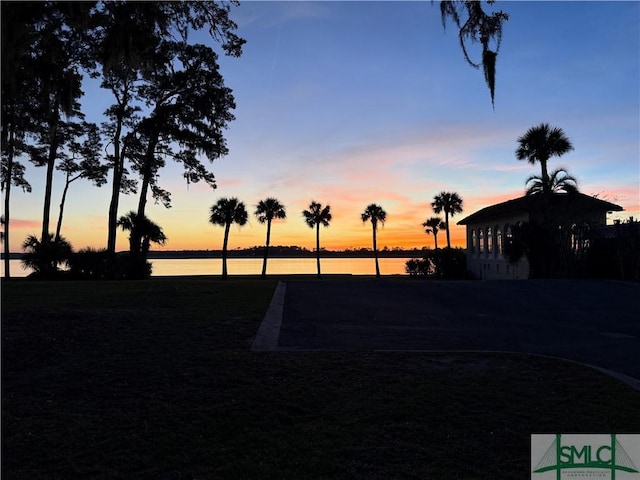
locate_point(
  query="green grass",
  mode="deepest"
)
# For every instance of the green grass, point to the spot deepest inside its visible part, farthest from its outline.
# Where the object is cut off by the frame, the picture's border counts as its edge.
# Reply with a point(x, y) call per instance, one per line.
point(155, 380)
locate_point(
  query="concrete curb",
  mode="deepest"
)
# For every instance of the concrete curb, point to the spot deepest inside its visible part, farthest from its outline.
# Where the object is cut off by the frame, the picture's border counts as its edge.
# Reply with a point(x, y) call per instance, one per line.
point(266, 339)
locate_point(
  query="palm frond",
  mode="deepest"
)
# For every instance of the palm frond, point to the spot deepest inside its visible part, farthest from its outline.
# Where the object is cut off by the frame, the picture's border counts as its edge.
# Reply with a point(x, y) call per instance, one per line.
point(317, 215)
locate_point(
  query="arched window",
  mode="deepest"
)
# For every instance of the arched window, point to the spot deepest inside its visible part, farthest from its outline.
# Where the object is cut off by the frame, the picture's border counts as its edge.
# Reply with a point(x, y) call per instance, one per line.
point(489, 241)
point(499, 250)
point(481, 241)
point(474, 241)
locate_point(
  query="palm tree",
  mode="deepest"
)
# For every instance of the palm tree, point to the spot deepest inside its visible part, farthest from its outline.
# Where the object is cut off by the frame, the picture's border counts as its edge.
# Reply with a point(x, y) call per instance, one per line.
point(559, 181)
point(225, 212)
point(541, 143)
point(450, 203)
point(314, 217)
point(44, 257)
point(147, 232)
point(266, 211)
point(433, 225)
point(376, 214)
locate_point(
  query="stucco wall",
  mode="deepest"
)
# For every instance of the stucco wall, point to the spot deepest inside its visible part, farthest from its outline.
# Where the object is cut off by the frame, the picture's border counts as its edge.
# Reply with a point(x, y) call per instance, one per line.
point(485, 244)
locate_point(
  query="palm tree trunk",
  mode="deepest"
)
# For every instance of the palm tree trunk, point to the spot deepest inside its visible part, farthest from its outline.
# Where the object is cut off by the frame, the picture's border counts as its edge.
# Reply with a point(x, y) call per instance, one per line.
point(7, 271)
point(446, 222)
point(435, 239)
point(545, 175)
point(266, 249)
point(318, 247)
point(375, 251)
point(224, 250)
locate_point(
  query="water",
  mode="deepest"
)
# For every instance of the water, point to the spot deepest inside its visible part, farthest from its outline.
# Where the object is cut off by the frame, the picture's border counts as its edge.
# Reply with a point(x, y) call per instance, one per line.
point(253, 266)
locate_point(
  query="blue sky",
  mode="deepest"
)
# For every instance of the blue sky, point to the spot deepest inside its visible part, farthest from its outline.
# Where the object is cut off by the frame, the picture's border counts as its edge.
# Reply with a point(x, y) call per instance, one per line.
point(350, 103)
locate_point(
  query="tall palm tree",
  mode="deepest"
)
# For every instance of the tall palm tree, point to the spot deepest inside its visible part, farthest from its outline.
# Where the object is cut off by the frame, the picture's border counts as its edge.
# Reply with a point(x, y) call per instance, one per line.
point(266, 211)
point(225, 212)
point(376, 214)
point(539, 144)
point(559, 181)
point(450, 203)
point(433, 225)
point(314, 217)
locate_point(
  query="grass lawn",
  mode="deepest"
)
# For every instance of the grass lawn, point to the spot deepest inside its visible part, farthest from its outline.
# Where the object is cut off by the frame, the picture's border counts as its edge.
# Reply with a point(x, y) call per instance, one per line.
point(155, 380)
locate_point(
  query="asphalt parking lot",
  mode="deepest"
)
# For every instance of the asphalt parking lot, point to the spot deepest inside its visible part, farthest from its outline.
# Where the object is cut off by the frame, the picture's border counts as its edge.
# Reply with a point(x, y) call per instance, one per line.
point(592, 321)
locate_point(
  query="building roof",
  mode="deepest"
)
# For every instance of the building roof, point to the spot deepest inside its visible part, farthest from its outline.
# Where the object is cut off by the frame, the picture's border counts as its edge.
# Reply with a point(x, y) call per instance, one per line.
point(528, 203)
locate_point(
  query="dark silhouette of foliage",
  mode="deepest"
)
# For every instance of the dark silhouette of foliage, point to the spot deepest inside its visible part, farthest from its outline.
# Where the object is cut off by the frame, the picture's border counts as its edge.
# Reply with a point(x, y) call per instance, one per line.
point(444, 263)
point(614, 251)
point(83, 162)
point(11, 173)
point(477, 26)
point(418, 267)
point(266, 211)
point(559, 181)
point(544, 240)
point(450, 203)
point(44, 258)
point(225, 212)
point(533, 241)
point(146, 56)
point(41, 59)
point(90, 264)
point(315, 216)
point(375, 214)
point(541, 143)
point(434, 225)
point(142, 232)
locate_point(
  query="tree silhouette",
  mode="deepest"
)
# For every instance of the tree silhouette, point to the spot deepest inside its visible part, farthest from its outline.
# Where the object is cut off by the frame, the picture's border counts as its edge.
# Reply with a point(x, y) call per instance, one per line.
point(559, 181)
point(450, 203)
point(539, 144)
point(266, 211)
point(11, 173)
point(147, 58)
point(45, 257)
point(225, 212)
point(148, 232)
point(476, 26)
point(314, 217)
point(433, 225)
point(375, 214)
point(146, 228)
point(88, 166)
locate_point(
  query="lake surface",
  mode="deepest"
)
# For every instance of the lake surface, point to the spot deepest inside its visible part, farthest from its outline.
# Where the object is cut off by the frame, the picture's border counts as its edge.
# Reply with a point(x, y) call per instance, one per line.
point(253, 266)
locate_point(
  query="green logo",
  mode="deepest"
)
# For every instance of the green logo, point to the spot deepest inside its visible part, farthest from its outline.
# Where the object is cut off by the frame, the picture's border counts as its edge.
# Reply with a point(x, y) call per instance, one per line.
point(584, 456)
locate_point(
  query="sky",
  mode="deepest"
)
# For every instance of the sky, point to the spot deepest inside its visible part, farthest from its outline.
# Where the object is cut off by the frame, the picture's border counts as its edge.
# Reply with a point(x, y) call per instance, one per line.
point(352, 103)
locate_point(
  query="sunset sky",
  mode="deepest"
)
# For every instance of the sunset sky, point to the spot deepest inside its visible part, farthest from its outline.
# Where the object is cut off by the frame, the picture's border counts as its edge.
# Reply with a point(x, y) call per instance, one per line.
point(349, 103)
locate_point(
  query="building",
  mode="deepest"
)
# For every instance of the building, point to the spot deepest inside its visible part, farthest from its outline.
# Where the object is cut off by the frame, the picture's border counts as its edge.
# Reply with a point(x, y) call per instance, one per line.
point(489, 229)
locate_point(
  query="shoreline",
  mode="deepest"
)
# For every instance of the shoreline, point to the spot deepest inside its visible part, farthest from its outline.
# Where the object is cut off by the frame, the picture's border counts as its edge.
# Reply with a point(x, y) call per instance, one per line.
point(207, 254)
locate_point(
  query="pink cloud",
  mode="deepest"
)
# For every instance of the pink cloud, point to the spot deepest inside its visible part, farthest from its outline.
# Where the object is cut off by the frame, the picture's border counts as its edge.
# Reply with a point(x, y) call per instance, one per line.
point(23, 224)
